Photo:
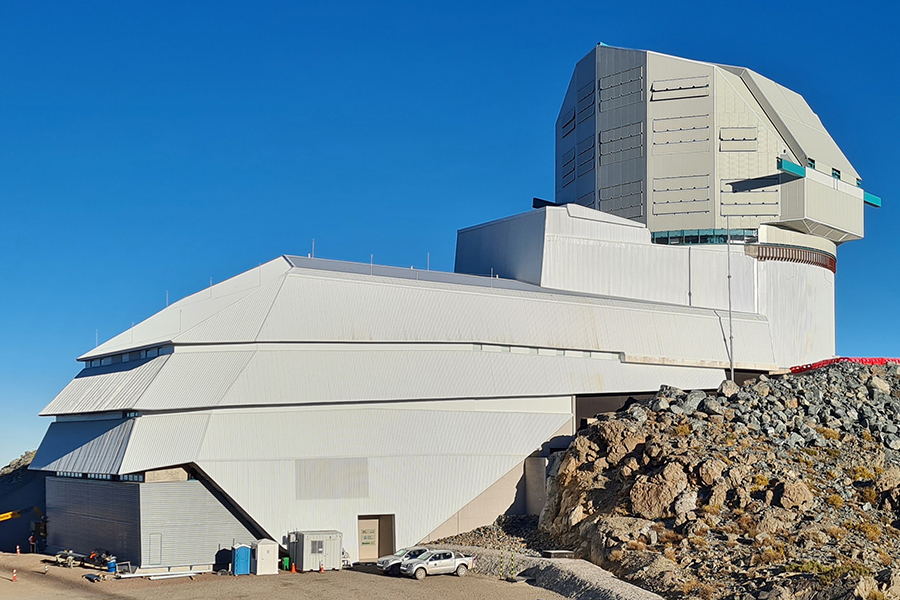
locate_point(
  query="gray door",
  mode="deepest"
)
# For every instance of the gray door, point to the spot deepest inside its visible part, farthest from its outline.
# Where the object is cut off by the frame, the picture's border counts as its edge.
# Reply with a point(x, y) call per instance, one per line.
point(155, 548)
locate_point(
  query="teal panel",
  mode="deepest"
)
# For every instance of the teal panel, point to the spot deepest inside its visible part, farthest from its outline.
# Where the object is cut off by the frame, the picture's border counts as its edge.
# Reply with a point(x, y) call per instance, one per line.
point(872, 200)
point(792, 168)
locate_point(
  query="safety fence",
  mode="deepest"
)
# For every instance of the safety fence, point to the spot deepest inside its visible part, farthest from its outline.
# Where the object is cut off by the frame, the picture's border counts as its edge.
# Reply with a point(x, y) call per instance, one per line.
point(840, 359)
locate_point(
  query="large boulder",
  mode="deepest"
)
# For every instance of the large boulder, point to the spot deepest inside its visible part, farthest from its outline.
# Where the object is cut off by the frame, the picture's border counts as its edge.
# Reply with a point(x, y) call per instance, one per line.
point(728, 388)
point(619, 437)
point(710, 470)
point(652, 496)
point(793, 495)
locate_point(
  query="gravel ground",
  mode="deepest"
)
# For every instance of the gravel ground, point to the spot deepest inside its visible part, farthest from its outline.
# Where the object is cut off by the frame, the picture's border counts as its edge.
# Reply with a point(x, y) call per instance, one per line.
point(60, 583)
point(575, 579)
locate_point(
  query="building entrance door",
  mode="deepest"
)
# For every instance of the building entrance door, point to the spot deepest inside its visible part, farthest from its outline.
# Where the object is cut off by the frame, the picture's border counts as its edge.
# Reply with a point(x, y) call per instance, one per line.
point(368, 539)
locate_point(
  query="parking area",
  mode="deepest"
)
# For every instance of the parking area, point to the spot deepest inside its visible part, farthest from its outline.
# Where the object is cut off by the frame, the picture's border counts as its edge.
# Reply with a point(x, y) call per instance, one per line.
point(364, 582)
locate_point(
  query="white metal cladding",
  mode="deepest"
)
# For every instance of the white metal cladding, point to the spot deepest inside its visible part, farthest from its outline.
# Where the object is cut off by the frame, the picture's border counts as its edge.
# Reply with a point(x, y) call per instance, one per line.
point(84, 446)
point(193, 379)
point(193, 310)
point(409, 454)
point(86, 515)
point(797, 122)
point(459, 453)
point(190, 524)
point(240, 321)
point(362, 309)
point(309, 374)
point(807, 328)
point(113, 387)
point(164, 441)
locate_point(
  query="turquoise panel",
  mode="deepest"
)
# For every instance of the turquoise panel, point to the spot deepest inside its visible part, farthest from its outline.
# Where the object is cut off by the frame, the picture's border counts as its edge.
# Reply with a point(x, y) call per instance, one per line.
point(872, 200)
point(792, 168)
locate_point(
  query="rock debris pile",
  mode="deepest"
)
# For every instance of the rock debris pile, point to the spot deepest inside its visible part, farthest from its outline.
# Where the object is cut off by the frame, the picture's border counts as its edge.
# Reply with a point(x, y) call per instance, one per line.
point(19, 463)
point(784, 487)
point(511, 533)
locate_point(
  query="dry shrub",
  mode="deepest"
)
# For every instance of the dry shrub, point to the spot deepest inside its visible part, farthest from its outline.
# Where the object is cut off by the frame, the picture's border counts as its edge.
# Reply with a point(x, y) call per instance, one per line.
point(747, 525)
point(861, 473)
point(827, 574)
point(711, 509)
point(768, 556)
point(867, 435)
point(637, 545)
point(835, 501)
point(885, 558)
point(698, 542)
point(870, 530)
point(670, 537)
point(616, 555)
point(868, 494)
point(694, 585)
point(837, 533)
point(670, 553)
point(682, 430)
point(875, 595)
point(828, 433)
point(761, 481)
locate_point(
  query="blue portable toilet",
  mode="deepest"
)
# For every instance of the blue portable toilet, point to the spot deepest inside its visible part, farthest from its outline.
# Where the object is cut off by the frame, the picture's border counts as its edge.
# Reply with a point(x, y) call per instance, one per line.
point(240, 559)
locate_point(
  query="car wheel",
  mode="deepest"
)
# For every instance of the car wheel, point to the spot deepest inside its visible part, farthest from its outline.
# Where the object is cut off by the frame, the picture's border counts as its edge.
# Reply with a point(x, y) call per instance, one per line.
point(395, 570)
point(461, 570)
point(420, 574)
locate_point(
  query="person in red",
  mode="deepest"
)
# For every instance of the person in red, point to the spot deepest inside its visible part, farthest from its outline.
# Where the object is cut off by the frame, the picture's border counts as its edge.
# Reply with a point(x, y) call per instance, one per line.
point(31, 542)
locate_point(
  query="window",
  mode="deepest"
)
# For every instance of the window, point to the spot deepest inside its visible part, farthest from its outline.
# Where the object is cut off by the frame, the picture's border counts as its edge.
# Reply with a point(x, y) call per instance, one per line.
point(317, 546)
point(858, 182)
point(835, 173)
point(811, 163)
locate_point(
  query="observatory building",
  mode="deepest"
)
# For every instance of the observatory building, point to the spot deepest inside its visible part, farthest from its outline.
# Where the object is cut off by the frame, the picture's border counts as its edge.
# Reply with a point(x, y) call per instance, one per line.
point(398, 405)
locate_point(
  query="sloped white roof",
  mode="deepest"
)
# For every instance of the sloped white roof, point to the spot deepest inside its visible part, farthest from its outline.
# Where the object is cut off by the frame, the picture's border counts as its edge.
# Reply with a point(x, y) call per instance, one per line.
point(334, 374)
point(800, 127)
point(316, 303)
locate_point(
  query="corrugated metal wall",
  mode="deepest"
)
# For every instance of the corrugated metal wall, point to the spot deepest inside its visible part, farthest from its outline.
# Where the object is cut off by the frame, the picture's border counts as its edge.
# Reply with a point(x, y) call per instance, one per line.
point(84, 515)
point(184, 524)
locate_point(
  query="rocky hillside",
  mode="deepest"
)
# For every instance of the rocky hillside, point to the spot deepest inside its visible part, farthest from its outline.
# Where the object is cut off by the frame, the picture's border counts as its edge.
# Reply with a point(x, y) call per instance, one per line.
point(782, 488)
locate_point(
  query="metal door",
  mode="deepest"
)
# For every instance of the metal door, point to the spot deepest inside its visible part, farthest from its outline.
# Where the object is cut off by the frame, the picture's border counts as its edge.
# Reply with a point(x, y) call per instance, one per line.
point(368, 540)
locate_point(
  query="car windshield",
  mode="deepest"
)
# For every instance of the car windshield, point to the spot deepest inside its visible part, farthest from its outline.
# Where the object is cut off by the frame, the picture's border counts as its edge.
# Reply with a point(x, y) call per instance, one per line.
point(426, 555)
point(416, 553)
point(401, 551)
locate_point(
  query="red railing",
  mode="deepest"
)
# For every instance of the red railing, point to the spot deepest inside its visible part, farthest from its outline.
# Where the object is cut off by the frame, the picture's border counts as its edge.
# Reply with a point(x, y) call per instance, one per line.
point(831, 361)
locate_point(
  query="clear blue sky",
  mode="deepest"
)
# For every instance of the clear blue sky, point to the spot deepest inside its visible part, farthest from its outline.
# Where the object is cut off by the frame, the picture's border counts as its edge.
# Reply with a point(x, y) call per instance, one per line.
point(147, 147)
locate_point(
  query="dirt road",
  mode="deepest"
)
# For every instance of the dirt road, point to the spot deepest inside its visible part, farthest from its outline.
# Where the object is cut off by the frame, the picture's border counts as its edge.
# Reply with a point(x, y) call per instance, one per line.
point(60, 582)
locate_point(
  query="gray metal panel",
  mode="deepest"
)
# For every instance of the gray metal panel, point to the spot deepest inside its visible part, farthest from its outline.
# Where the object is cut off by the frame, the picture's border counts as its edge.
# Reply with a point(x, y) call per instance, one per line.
point(510, 248)
point(190, 523)
point(85, 515)
point(84, 446)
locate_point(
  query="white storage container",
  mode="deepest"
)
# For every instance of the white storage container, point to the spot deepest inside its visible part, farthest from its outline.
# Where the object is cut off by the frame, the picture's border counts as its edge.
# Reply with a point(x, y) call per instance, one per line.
point(311, 549)
point(264, 560)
